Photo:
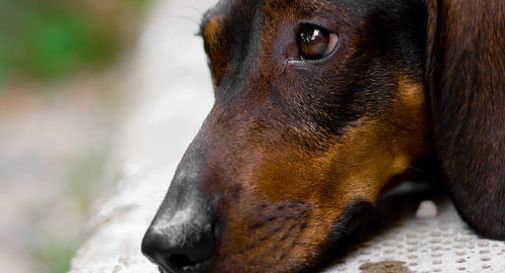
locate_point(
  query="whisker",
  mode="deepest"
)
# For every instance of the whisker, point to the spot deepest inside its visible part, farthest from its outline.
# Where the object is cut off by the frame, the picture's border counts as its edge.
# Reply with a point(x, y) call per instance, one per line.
point(188, 19)
point(200, 12)
point(416, 169)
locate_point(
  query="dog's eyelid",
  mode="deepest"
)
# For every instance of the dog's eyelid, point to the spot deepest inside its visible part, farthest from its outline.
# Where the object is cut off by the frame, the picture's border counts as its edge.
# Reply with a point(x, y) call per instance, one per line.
point(330, 27)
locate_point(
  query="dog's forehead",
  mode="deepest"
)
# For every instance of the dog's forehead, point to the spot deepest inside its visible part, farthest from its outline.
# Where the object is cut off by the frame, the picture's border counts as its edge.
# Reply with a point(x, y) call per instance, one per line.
point(231, 9)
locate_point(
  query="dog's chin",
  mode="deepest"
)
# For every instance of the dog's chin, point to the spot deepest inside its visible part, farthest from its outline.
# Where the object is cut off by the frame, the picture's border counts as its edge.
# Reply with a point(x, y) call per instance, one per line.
point(345, 234)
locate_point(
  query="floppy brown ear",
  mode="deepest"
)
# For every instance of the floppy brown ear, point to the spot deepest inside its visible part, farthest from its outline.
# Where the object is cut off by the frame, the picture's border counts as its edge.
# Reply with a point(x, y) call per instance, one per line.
point(466, 89)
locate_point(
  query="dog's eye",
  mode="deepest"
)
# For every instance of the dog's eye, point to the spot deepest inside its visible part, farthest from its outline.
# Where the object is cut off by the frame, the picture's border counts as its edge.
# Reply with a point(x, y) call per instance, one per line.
point(316, 43)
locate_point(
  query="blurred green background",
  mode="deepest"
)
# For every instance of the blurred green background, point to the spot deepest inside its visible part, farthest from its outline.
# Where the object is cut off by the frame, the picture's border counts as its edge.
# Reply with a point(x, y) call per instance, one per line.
point(52, 38)
point(60, 108)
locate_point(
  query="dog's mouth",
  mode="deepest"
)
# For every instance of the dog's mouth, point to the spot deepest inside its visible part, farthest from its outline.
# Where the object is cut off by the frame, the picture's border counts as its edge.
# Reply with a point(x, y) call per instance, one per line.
point(291, 236)
point(257, 236)
point(261, 237)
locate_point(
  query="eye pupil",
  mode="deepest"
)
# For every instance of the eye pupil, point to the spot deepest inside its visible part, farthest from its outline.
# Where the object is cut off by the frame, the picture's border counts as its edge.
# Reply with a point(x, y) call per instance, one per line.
point(311, 35)
point(313, 43)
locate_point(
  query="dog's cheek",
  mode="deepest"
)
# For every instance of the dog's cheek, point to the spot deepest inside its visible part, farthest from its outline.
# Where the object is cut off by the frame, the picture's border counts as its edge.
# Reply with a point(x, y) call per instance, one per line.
point(290, 198)
point(357, 167)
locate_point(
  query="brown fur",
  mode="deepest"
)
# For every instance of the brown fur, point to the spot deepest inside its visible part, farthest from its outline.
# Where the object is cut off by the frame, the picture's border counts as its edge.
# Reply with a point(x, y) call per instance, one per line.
point(290, 146)
point(355, 167)
point(276, 163)
point(466, 75)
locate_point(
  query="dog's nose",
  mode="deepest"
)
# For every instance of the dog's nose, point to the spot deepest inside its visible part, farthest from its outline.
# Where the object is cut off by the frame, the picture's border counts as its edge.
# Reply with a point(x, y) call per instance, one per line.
point(186, 243)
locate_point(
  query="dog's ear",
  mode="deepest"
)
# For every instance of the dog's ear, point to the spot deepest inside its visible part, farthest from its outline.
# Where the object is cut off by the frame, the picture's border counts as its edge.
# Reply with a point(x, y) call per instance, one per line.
point(465, 74)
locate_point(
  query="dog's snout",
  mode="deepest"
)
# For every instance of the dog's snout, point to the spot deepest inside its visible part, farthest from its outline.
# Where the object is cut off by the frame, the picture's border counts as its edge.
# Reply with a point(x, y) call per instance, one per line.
point(186, 243)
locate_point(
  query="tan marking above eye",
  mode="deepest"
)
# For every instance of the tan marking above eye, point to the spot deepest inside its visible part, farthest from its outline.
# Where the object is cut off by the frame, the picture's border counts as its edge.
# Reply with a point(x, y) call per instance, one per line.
point(210, 30)
point(212, 44)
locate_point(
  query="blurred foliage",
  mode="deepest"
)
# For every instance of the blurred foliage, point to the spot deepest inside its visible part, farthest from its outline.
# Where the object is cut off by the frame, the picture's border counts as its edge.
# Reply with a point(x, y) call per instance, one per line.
point(84, 177)
point(55, 255)
point(46, 39)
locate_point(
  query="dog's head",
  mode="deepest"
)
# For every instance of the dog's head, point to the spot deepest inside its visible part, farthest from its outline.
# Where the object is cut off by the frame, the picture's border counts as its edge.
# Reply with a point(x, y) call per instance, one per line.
point(319, 104)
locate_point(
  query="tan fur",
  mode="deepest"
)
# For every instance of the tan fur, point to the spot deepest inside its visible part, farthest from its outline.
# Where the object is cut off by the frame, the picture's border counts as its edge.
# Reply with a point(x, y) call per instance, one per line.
point(356, 168)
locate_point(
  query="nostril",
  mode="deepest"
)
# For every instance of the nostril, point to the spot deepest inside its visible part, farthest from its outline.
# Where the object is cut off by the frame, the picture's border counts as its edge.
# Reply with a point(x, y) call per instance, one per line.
point(182, 261)
point(182, 248)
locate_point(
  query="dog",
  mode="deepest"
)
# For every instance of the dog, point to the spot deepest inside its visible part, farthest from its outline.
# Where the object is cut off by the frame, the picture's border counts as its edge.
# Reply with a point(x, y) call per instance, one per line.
point(322, 105)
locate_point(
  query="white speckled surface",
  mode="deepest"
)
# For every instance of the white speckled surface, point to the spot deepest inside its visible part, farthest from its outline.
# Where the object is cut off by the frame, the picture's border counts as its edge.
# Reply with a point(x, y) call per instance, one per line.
point(442, 243)
point(174, 92)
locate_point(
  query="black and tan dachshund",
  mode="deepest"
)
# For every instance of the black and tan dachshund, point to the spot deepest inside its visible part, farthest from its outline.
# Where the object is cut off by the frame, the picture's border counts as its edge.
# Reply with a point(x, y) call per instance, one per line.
point(320, 105)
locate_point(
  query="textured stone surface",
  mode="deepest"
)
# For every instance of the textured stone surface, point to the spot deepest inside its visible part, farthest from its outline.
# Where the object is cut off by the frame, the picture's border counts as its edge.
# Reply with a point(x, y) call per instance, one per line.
point(439, 243)
point(175, 94)
point(427, 209)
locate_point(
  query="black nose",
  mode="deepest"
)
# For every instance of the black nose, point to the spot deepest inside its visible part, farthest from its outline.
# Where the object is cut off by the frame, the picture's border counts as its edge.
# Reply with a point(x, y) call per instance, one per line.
point(185, 243)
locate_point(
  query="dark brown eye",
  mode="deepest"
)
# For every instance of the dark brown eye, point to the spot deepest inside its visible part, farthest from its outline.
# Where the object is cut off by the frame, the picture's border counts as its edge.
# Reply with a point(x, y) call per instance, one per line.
point(316, 43)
